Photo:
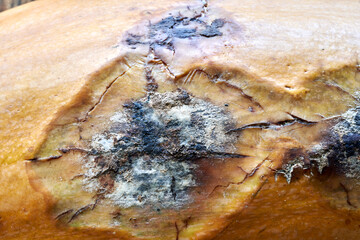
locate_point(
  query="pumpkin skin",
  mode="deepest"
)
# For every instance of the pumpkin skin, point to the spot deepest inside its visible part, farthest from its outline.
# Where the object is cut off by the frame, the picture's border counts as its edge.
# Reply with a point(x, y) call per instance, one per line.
point(70, 65)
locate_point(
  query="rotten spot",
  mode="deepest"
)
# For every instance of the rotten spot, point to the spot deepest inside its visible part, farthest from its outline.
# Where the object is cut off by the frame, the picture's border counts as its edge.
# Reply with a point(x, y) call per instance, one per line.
point(166, 30)
point(148, 155)
point(339, 149)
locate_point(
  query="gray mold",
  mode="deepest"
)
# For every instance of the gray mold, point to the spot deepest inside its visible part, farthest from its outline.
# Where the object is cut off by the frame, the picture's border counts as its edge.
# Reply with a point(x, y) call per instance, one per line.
point(149, 154)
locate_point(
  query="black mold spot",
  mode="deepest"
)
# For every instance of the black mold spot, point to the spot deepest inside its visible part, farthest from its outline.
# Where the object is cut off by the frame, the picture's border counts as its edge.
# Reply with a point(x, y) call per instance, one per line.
point(218, 23)
point(184, 32)
point(340, 150)
point(150, 156)
point(134, 39)
point(151, 85)
point(165, 31)
point(210, 32)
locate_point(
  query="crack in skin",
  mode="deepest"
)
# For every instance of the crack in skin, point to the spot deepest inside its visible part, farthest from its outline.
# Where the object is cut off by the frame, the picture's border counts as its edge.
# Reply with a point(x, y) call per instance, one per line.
point(177, 231)
point(80, 211)
point(90, 206)
point(63, 214)
point(245, 95)
point(214, 79)
point(44, 159)
point(261, 231)
point(158, 60)
point(269, 125)
point(87, 115)
point(247, 175)
point(186, 225)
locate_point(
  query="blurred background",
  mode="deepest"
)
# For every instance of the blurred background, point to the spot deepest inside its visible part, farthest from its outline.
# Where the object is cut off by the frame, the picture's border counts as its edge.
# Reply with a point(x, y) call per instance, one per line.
point(6, 4)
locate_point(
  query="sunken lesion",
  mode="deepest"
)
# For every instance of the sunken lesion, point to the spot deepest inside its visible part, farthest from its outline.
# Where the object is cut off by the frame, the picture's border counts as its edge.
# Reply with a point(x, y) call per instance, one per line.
point(149, 154)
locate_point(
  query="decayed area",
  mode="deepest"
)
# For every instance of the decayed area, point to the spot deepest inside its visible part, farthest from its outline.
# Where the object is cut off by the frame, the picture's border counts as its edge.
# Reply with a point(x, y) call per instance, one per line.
point(180, 120)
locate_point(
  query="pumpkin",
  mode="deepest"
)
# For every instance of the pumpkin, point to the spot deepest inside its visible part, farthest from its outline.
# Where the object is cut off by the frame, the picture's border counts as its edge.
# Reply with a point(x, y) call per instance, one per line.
point(179, 120)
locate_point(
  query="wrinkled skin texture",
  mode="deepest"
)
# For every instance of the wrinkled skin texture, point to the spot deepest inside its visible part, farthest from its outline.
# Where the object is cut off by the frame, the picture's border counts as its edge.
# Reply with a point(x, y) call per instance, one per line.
point(68, 66)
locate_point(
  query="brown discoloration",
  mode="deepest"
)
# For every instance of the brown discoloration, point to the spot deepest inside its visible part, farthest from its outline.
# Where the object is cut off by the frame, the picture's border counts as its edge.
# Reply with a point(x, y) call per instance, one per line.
point(116, 214)
point(107, 182)
point(151, 86)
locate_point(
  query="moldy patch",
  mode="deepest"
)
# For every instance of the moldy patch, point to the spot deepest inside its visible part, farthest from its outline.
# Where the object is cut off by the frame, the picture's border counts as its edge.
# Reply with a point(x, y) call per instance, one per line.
point(344, 144)
point(165, 31)
point(149, 154)
point(339, 150)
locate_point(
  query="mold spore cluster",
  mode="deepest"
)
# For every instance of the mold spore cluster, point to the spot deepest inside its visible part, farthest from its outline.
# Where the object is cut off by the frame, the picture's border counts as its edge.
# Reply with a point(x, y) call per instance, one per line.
point(163, 32)
point(341, 149)
point(346, 150)
point(148, 155)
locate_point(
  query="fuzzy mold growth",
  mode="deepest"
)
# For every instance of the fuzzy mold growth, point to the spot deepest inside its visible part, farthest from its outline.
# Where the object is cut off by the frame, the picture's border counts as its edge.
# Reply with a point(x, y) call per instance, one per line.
point(148, 155)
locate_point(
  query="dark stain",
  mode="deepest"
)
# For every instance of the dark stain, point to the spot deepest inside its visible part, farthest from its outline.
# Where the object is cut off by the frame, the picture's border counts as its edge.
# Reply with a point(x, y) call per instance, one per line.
point(133, 221)
point(186, 222)
point(151, 85)
point(294, 153)
point(107, 182)
point(134, 39)
point(347, 221)
point(165, 31)
point(116, 214)
point(145, 134)
point(342, 146)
